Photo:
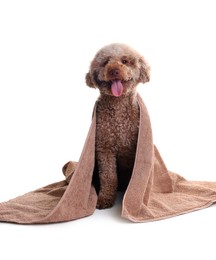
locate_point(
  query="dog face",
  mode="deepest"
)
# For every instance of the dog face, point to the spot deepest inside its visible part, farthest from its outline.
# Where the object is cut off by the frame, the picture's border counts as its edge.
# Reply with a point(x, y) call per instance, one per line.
point(117, 69)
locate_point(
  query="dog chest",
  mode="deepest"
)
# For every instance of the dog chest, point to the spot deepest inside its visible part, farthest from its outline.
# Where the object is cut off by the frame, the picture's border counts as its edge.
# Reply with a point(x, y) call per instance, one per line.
point(117, 127)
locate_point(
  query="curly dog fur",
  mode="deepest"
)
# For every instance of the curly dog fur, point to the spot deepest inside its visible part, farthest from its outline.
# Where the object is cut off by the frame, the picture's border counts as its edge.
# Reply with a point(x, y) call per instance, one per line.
point(116, 70)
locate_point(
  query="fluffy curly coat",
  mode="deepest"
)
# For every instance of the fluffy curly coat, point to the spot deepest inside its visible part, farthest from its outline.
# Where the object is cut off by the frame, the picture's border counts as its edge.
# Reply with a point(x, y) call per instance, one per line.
point(116, 70)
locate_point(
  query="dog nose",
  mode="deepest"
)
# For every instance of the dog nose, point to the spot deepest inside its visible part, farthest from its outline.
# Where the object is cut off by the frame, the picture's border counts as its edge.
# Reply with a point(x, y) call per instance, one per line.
point(113, 72)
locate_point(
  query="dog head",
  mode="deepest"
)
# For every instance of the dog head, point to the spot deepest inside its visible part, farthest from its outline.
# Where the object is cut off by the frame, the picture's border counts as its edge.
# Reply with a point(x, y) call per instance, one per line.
point(117, 69)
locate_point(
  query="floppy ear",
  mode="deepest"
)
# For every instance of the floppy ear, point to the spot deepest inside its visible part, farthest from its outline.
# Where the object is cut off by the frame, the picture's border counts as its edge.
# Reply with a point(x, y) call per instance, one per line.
point(89, 80)
point(144, 71)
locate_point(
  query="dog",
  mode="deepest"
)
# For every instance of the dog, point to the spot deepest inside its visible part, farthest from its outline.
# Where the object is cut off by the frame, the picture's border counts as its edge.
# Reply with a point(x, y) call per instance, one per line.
point(116, 70)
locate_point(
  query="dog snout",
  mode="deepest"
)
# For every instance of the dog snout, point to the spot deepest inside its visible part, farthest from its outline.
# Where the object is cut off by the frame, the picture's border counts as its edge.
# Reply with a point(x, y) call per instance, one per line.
point(114, 72)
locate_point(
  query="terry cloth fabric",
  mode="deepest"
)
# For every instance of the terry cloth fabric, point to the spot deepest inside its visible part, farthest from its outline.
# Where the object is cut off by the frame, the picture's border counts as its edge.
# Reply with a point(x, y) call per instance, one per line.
point(153, 192)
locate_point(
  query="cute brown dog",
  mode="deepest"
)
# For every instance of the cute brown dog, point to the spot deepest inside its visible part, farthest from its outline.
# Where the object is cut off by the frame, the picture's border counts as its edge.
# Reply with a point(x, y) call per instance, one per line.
point(116, 70)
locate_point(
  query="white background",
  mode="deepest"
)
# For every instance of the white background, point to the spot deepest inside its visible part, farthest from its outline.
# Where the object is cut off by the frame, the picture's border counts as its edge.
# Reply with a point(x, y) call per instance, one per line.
point(45, 112)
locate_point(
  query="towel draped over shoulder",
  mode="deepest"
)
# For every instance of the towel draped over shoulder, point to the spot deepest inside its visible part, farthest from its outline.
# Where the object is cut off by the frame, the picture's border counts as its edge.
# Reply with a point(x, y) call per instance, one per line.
point(153, 192)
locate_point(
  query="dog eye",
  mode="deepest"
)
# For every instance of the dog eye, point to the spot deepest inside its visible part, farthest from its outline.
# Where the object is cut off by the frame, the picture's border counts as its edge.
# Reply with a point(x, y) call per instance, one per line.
point(124, 61)
point(104, 63)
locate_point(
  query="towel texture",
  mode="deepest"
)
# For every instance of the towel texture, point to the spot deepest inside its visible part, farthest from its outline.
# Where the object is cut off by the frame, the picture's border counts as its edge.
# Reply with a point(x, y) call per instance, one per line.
point(153, 192)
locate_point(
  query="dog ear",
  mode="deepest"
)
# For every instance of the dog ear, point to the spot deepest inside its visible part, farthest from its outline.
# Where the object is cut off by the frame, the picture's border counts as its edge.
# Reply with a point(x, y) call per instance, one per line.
point(144, 71)
point(89, 80)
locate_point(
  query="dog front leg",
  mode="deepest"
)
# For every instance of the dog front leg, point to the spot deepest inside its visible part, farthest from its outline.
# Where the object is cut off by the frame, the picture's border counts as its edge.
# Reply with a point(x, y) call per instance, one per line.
point(107, 171)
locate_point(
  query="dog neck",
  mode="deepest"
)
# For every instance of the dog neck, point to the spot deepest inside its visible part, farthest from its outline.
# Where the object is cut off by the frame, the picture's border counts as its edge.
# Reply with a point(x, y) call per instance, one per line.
point(111, 101)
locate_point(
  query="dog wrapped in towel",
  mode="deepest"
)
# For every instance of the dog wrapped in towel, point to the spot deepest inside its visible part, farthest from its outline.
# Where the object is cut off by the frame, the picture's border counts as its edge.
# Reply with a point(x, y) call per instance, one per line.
point(118, 154)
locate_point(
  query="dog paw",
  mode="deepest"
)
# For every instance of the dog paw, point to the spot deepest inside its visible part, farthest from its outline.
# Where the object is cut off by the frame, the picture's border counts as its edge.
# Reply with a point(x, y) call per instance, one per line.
point(105, 202)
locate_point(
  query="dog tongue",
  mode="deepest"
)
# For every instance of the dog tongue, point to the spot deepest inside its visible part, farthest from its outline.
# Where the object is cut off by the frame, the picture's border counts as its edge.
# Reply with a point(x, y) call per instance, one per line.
point(116, 88)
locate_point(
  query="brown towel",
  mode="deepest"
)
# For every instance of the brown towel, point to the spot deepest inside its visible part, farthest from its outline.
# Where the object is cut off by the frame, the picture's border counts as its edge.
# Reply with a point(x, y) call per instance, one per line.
point(153, 192)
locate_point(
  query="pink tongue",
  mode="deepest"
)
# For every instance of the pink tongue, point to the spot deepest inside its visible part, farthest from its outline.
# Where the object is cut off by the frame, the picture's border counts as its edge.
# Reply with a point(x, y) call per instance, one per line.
point(117, 88)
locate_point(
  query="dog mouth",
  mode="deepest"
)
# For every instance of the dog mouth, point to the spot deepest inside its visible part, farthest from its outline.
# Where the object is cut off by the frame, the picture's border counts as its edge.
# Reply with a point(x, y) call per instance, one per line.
point(117, 86)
